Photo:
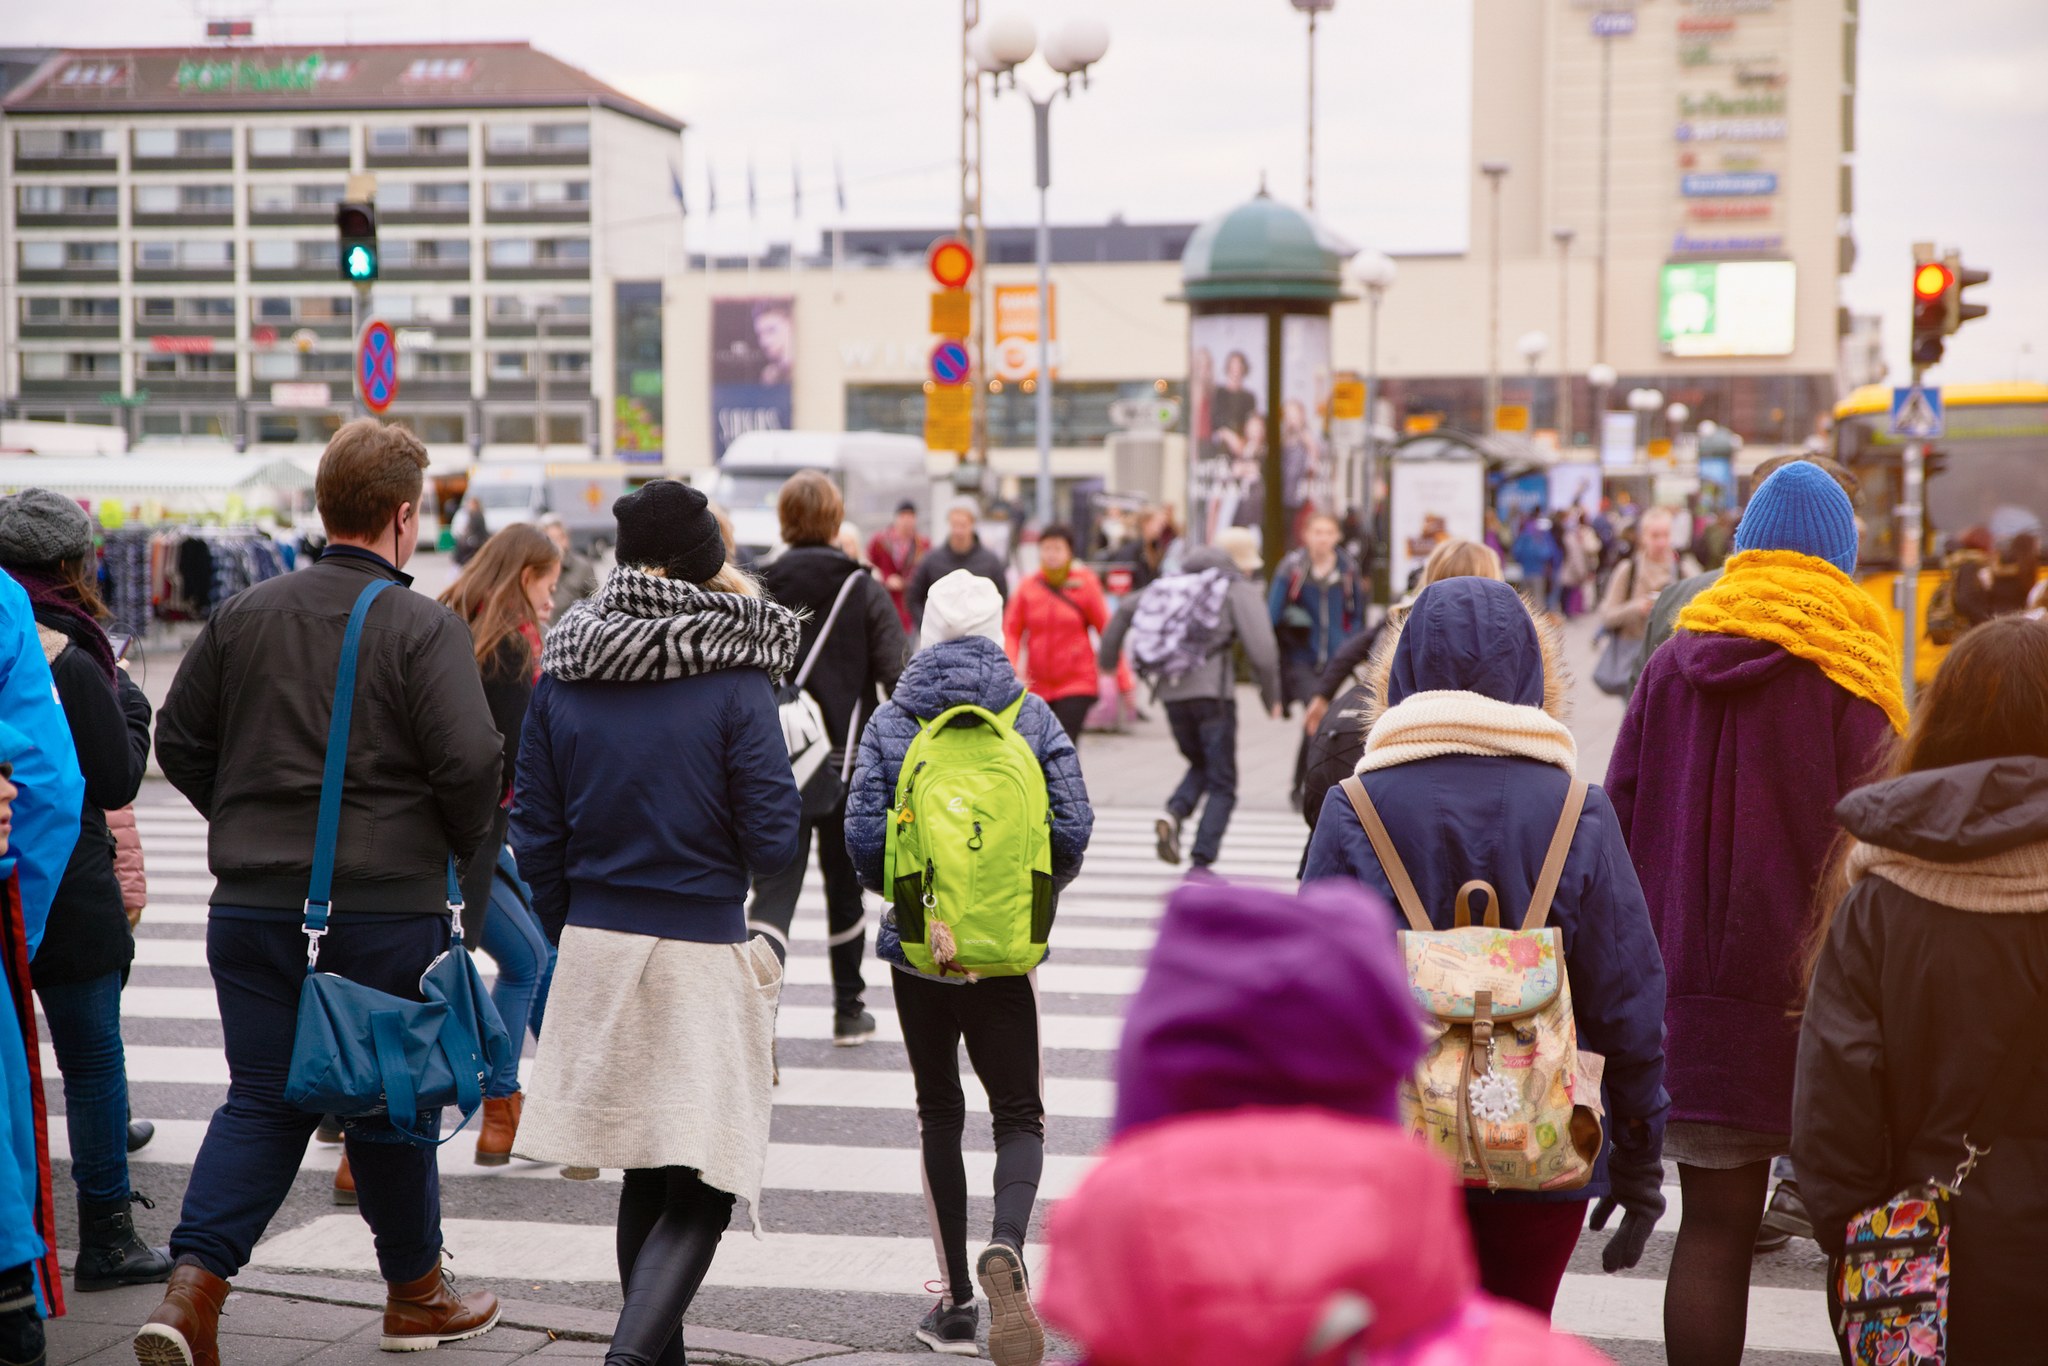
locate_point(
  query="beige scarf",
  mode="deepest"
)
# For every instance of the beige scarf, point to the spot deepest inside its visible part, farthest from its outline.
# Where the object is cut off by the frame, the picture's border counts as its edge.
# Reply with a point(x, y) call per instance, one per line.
point(2016, 880)
point(1428, 724)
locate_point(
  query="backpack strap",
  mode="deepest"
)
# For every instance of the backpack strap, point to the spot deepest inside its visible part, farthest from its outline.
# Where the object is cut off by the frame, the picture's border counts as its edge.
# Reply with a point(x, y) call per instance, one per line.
point(1390, 859)
point(1553, 862)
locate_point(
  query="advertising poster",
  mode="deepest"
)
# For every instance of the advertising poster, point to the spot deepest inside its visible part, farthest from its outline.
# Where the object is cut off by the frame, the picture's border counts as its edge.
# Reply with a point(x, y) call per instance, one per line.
point(1305, 457)
point(1227, 423)
point(1575, 486)
point(1429, 501)
point(637, 388)
point(1016, 331)
point(753, 345)
point(1618, 440)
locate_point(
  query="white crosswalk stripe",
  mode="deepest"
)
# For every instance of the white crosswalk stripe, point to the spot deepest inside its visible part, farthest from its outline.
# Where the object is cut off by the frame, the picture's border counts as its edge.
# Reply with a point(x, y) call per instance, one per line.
point(1108, 920)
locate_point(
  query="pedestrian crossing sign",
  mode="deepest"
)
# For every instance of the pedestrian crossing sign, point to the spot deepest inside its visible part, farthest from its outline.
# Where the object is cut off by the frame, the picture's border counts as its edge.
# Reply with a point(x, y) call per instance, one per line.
point(1917, 413)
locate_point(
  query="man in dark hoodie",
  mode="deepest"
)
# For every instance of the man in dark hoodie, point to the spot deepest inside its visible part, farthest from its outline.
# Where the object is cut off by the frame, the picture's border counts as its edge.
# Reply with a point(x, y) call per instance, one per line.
point(962, 549)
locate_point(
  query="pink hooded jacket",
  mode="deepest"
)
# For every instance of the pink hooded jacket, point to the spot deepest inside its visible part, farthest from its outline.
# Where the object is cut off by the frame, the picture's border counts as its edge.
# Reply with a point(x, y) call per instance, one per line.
point(128, 869)
point(1271, 1237)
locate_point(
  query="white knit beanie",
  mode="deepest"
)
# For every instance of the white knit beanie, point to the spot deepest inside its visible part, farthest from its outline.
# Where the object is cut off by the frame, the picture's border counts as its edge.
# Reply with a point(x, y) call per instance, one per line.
point(962, 604)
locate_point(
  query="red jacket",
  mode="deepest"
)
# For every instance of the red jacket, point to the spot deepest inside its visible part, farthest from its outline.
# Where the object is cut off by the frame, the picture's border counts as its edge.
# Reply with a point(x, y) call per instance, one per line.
point(886, 564)
point(1046, 631)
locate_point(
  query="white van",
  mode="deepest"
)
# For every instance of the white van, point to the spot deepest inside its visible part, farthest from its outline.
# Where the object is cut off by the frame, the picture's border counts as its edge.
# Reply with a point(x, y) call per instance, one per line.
point(581, 493)
point(875, 471)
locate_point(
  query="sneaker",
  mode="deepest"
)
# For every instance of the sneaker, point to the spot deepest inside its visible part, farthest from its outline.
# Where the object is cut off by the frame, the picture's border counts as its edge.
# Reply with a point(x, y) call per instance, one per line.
point(1787, 1212)
point(950, 1328)
point(1014, 1335)
point(1167, 828)
point(850, 1029)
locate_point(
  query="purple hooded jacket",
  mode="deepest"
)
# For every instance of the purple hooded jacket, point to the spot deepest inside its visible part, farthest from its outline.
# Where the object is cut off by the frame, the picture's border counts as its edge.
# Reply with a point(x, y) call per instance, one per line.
point(1725, 778)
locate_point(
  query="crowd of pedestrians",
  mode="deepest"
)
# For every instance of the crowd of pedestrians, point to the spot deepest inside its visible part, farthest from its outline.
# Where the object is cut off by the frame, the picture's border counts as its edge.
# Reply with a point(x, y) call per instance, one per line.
point(1796, 935)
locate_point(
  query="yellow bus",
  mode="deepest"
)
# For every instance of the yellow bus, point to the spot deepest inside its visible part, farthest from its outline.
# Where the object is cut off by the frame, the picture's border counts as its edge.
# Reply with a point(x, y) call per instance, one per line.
point(1990, 469)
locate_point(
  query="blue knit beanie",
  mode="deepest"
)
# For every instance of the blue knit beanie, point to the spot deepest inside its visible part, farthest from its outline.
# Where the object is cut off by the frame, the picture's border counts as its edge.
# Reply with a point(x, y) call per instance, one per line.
point(1801, 508)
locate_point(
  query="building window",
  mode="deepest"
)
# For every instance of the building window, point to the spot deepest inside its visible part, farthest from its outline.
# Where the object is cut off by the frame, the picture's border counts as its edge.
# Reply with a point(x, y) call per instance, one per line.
point(440, 364)
point(167, 199)
point(276, 141)
point(569, 365)
point(516, 429)
point(517, 308)
point(165, 143)
point(279, 309)
point(70, 256)
point(60, 142)
point(539, 194)
point(68, 199)
point(511, 366)
point(439, 69)
point(425, 253)
point(273, 253)
point(423, 308)
point(100, 365)
point(41, 310)
point(163, 424)
point(537, 137)
point(522, 252)
point(293, 198)
point(423, 139)
point(185, 254)
point(428, 196)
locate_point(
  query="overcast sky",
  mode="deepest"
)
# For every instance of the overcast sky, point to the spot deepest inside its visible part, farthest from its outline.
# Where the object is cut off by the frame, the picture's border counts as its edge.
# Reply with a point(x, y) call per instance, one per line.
point(1197, 100)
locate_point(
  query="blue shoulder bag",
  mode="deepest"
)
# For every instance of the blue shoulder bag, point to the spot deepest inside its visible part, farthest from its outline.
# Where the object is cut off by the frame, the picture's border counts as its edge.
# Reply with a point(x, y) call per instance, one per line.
point(358, 1051)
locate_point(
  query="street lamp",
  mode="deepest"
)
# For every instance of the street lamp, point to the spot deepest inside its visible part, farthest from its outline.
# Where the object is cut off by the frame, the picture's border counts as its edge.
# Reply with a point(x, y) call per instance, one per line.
point(1495, 172)
point(1532, 345)
point(1312, 8)
point(1644, 402)
point(1563, 237)
point(1001, 46)
point(1674, 420)
point(1375, 272)
point(1600, 378)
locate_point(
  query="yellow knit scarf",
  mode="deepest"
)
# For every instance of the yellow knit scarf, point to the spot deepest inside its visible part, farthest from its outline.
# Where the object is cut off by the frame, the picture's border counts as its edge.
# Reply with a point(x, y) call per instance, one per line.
point(1811, 610)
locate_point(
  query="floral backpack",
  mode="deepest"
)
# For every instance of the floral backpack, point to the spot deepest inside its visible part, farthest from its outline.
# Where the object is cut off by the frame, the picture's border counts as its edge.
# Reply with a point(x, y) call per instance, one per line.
point(1503, 1089)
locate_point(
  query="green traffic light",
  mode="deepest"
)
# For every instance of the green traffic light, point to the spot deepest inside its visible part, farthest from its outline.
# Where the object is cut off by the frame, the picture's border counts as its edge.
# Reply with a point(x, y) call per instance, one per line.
point(361, 263)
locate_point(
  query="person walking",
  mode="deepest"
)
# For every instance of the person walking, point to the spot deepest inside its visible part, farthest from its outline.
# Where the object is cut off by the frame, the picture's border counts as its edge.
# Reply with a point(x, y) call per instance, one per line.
point(658, 696)
point(1933, 960)
point(1153, 551)
point(962, 663)
point(46, 546)
point(471, 531)
point(1468, 764)
point(850, 626)
point(895, 552)
point(506, 597)
point(1201, 704)
point(246, 742)
point(1262, 1206)
point(1048, 629)
point(41, 796)
point(1633, 587)
point(962, 549)
point(1316, 603)
point(579, 572)
point(1780, 693)
point(1537, 554)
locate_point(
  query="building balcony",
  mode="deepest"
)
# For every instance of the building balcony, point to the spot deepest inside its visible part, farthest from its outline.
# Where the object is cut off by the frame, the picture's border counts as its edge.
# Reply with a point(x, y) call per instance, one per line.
point(564, 156)
point(88, 387)
point(526, 327)
point(560, 213)
point(325, 272)
point(434, 389)
point(405, 161)
point(83, 218)
point(209, 161)
point(300, 161)
point(145, 328)
point(407, 217)
point(322, 217)
point(561, 389)
point(555, 270)
point(72, 275)
point(328, 329)
point(426, 273)
point(64, 165)
point(66, 331)
point(181, 275)
point(207, 218)
point(184, 389)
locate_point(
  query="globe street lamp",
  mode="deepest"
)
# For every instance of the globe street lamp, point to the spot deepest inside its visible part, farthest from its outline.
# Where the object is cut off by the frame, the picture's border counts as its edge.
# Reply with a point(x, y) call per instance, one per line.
point(1375, 273)
point(1600, 378)
point(1312, 8)
point(999, 47)
point(1495, 172)
point(1644, 402)
point(1532, 345)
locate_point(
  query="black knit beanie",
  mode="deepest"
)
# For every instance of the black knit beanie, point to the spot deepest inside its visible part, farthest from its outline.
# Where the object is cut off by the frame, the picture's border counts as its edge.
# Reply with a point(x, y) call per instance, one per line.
point(668, 525)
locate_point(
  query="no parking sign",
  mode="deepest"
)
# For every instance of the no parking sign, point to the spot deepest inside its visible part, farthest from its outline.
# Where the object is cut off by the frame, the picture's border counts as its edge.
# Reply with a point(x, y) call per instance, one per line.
point(377, 366)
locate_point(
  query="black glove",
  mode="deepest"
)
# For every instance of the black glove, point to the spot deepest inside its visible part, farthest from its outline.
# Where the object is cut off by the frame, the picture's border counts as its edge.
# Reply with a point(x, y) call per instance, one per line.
point(1639, 1193)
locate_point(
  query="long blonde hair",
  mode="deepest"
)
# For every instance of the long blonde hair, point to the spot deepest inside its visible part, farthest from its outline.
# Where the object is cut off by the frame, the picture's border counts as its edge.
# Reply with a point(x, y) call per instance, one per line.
point(1455, 559)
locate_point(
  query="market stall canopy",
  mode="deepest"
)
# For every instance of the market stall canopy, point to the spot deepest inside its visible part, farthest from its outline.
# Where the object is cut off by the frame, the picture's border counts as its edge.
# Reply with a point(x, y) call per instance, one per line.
point(163, 477)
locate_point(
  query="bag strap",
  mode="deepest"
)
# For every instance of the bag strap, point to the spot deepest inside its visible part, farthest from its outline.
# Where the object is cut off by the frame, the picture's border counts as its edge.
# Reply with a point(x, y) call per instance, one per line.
point(845, 587)
point(401, 1098)
point(1390, 859)
point(1553, 861)
point(320, 888)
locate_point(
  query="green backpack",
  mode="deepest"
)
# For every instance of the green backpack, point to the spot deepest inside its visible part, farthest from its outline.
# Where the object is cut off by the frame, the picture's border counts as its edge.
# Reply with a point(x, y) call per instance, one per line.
point(970, 845)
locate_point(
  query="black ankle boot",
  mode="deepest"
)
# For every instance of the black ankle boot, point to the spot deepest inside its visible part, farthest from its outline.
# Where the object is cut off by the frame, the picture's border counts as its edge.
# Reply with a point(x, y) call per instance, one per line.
point(21, 1327)
point(109, 1253)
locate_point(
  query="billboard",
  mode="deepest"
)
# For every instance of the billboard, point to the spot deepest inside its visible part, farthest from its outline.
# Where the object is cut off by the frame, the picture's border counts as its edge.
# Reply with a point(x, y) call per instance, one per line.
point(1727, 308)
point(636, 383)
point(1226, 423)
point(753, 346)
point(1305, 379)
point(1016, 331)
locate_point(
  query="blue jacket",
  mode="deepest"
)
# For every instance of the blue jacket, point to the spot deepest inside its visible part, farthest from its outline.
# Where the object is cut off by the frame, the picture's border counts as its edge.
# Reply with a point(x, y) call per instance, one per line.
point(646, 807)
point(1336, 609)
point(945, 675)
point(1458, 817)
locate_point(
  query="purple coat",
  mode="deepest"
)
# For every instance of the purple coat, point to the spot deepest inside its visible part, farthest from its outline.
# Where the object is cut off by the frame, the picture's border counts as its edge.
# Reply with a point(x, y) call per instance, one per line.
point(1725, 778)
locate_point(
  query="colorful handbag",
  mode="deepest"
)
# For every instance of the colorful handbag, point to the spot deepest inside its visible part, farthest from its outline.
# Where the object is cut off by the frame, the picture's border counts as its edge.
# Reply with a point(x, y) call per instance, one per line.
point(1893, 1277)
point(358, 1051)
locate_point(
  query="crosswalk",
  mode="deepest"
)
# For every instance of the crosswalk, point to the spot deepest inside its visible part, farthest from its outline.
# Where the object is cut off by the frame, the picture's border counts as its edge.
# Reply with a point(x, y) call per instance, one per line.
point(842, 1202)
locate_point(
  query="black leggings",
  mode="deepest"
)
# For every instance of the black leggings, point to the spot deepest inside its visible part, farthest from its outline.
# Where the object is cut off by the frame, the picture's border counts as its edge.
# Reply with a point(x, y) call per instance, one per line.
point(998, 1017)
point(1706, 1299)
point(775, 898)
point(1073, 715)
point(669, 1226)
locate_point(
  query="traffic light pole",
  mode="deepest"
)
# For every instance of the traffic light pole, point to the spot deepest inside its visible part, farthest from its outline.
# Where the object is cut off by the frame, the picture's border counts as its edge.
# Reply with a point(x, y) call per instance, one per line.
point(357, 408)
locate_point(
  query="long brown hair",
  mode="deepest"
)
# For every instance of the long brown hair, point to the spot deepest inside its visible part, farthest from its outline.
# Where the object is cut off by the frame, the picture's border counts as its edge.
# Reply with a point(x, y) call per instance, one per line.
point(1987, 701)
point(491, 594)
point(81, 578)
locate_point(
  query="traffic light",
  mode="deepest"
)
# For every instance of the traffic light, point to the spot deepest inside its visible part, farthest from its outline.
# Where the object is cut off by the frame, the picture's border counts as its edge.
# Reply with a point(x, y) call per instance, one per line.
point(355, 223)
point(1961, 277)
point(1931, 282)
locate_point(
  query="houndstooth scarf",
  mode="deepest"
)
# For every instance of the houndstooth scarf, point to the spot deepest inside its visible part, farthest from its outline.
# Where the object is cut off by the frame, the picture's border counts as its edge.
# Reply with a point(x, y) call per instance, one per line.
point(641, 628)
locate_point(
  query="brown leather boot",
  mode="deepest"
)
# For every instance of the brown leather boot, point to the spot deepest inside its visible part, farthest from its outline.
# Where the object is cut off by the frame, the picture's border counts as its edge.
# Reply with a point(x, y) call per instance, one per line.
point(344, 1183)
point(501, 1127)
point(423, 1314)
point(185, 1329)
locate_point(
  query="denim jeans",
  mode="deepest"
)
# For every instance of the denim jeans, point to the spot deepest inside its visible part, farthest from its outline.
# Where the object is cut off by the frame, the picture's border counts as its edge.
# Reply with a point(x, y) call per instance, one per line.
point(1206, 731)
point(526, 966)
point(257, 1138)
point(85, 1033)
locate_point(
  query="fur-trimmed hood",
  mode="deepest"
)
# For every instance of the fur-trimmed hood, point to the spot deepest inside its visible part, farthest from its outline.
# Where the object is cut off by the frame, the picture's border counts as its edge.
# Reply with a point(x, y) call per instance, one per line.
point(1475, 646)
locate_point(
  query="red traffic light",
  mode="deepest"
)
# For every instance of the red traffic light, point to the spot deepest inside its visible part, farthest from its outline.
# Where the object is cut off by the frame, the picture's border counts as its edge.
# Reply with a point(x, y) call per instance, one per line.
point(1930, 280)
point(951, 262)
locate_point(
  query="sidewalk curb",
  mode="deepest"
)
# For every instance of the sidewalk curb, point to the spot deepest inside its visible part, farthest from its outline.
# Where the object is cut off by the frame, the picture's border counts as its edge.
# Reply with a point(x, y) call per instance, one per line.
point(561, 1321)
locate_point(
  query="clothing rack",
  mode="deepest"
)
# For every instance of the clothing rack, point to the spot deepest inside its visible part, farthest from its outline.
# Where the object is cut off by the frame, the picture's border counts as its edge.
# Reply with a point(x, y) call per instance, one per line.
point(180, 572)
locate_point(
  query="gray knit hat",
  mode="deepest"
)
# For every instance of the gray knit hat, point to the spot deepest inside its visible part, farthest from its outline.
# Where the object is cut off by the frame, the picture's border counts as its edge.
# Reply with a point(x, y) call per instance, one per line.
point(38, 527)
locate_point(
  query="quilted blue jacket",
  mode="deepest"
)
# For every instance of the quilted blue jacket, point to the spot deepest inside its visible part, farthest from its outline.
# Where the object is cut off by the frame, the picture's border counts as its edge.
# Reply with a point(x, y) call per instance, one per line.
point(946, 675)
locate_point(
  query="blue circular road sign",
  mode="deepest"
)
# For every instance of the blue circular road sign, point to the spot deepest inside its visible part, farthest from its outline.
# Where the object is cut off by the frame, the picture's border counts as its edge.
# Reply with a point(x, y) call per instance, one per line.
point(377, 366)
point(950, 364)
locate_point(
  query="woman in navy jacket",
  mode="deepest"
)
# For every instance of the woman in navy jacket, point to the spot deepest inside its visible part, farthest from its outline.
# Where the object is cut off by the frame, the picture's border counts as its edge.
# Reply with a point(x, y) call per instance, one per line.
point(1468, 764)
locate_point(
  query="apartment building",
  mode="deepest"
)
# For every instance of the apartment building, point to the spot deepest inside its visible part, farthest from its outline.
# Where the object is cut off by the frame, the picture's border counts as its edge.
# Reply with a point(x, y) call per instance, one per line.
point(167, 226)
